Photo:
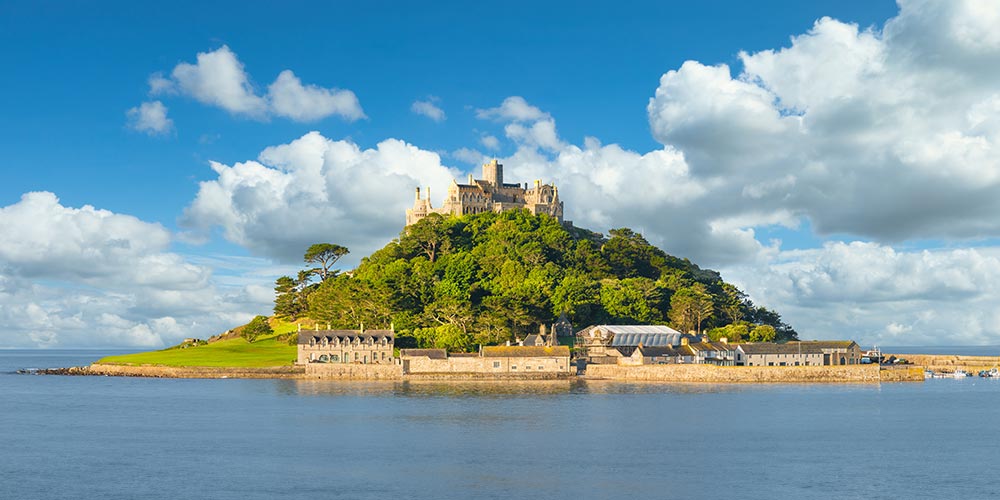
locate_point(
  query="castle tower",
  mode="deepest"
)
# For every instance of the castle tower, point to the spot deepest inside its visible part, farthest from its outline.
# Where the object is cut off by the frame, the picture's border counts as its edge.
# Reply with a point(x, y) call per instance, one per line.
point(493, 173)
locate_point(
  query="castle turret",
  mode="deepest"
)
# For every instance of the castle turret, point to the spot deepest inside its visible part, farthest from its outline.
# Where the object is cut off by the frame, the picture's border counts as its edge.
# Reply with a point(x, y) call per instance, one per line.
point(493, 172)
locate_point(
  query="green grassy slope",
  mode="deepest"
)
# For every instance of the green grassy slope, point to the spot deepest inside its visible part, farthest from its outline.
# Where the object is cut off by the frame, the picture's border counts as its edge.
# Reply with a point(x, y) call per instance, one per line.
point(265, 351)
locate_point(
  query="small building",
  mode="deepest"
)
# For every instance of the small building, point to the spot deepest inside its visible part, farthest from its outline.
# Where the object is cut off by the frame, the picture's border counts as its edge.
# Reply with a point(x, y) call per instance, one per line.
point(523, 361)
point(707, 353)
point(346, 346)
point(799, 353)
point(527, 359)
point(714, 353)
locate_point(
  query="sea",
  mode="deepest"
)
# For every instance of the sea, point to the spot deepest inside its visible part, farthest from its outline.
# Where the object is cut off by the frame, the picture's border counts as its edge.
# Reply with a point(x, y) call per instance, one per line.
point(64, 437)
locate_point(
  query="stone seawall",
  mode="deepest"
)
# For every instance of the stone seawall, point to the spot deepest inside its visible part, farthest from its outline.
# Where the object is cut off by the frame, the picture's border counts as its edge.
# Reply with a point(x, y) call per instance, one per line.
point(190, 371)
point(352, 372)
point(751, 374)
point(489, 376)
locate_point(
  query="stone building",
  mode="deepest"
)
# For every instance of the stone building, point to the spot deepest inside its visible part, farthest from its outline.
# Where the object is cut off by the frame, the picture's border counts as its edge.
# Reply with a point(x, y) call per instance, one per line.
point(489, 194)
point(804, 353)
point(505, 361)
point(346, 346)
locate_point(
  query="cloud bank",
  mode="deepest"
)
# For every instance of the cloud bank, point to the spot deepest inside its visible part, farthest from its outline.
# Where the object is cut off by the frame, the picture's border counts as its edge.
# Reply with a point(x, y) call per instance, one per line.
point(85, 277)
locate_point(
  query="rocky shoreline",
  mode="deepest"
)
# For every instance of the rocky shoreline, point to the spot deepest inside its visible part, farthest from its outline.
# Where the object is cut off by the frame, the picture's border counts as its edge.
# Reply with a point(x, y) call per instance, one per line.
point(150, 371)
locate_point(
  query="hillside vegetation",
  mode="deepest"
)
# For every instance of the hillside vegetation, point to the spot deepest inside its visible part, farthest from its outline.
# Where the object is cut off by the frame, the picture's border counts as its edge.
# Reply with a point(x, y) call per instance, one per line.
point(487, 278)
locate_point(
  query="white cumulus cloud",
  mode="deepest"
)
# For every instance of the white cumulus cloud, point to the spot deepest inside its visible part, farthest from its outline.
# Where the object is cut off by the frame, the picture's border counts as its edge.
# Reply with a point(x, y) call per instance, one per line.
point(429, 109)
point(87, 277)
point(316, 189)
point(150, 118)
point(218, 78)
point(289, 98)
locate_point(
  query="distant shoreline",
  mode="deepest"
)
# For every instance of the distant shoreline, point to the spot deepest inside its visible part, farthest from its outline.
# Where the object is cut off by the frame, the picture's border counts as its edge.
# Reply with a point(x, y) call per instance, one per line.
point(644, 373)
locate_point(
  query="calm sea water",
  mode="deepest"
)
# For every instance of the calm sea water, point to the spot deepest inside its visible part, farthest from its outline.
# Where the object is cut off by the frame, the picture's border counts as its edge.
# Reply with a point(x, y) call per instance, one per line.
point(107, 437)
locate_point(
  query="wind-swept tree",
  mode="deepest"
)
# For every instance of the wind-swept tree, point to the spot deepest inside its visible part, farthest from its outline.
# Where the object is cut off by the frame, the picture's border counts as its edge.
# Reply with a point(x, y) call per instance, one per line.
point(325, 255)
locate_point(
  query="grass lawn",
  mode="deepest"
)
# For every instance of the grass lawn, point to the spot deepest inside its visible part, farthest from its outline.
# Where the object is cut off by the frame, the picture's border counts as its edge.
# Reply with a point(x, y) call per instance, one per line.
point(265, 351)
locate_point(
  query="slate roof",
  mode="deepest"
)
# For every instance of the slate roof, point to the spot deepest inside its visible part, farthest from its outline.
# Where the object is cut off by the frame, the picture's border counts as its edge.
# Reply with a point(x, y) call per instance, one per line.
point(804, 347)
point(517, 351)
point(375, 335)
point(659, 351)
point(430, 353)
point(531, 339)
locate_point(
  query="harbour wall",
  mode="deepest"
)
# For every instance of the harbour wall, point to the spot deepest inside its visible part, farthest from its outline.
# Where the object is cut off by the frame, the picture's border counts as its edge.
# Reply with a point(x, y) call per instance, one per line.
point(950, 363)
point(753, 374)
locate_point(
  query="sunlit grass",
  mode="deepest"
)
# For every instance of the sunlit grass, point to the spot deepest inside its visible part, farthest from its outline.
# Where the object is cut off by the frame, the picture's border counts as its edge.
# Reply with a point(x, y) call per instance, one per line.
point(237, 352)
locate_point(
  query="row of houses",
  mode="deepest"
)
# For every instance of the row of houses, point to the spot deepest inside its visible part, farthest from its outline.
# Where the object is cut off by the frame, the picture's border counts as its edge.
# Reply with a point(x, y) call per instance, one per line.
point(659, 344)
point(602, 344)
point(536, 356)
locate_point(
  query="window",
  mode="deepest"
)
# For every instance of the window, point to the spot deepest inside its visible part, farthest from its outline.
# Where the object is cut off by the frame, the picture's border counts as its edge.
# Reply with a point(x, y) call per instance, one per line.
point(356, 356)
point(513, 367)
point(540, 368)
point(527, 367)
point(496, 364)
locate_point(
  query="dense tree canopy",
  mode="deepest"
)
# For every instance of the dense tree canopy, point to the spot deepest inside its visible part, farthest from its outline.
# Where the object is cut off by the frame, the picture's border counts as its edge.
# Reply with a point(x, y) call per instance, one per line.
point(486, 278)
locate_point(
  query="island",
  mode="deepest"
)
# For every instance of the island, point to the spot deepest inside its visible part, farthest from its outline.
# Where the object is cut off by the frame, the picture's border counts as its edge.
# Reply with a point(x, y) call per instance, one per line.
point(495, 285)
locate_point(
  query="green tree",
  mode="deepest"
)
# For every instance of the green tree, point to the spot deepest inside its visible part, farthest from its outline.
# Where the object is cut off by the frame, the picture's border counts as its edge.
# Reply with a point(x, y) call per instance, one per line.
point(734, 332)
point(690, 307)
point(325, 255)
point(429, 236)
point(257, 327)
point(763, 333)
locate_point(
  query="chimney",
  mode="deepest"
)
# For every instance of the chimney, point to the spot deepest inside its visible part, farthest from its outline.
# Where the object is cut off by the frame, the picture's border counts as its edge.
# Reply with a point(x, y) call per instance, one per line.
point(316, 326)
point(704, 338)
point(392, 327)
point(684, 341)
point(538, 183)
point(508, 343)
point(418, 194)
point(328, 326)
point(428, 193)
point(724, 340)
point(541, 329)
point(471, 181)
point(362, 327)
point(299, 325)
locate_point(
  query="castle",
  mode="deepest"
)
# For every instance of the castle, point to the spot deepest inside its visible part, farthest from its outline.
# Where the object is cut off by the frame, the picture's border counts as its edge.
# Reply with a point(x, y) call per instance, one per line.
point(489, 194)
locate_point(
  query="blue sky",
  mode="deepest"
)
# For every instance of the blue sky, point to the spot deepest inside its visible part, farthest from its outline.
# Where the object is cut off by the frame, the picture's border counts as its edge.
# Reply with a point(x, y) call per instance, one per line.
point(805, 149)
point(591, 64)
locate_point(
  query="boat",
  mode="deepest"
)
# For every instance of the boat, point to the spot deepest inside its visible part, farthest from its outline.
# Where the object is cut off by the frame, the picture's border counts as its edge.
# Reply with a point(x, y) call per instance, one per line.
point(960, 374)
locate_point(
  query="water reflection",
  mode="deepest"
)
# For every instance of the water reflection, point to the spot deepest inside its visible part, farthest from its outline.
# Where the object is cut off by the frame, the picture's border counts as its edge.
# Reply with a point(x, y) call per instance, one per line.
point(486, 389)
